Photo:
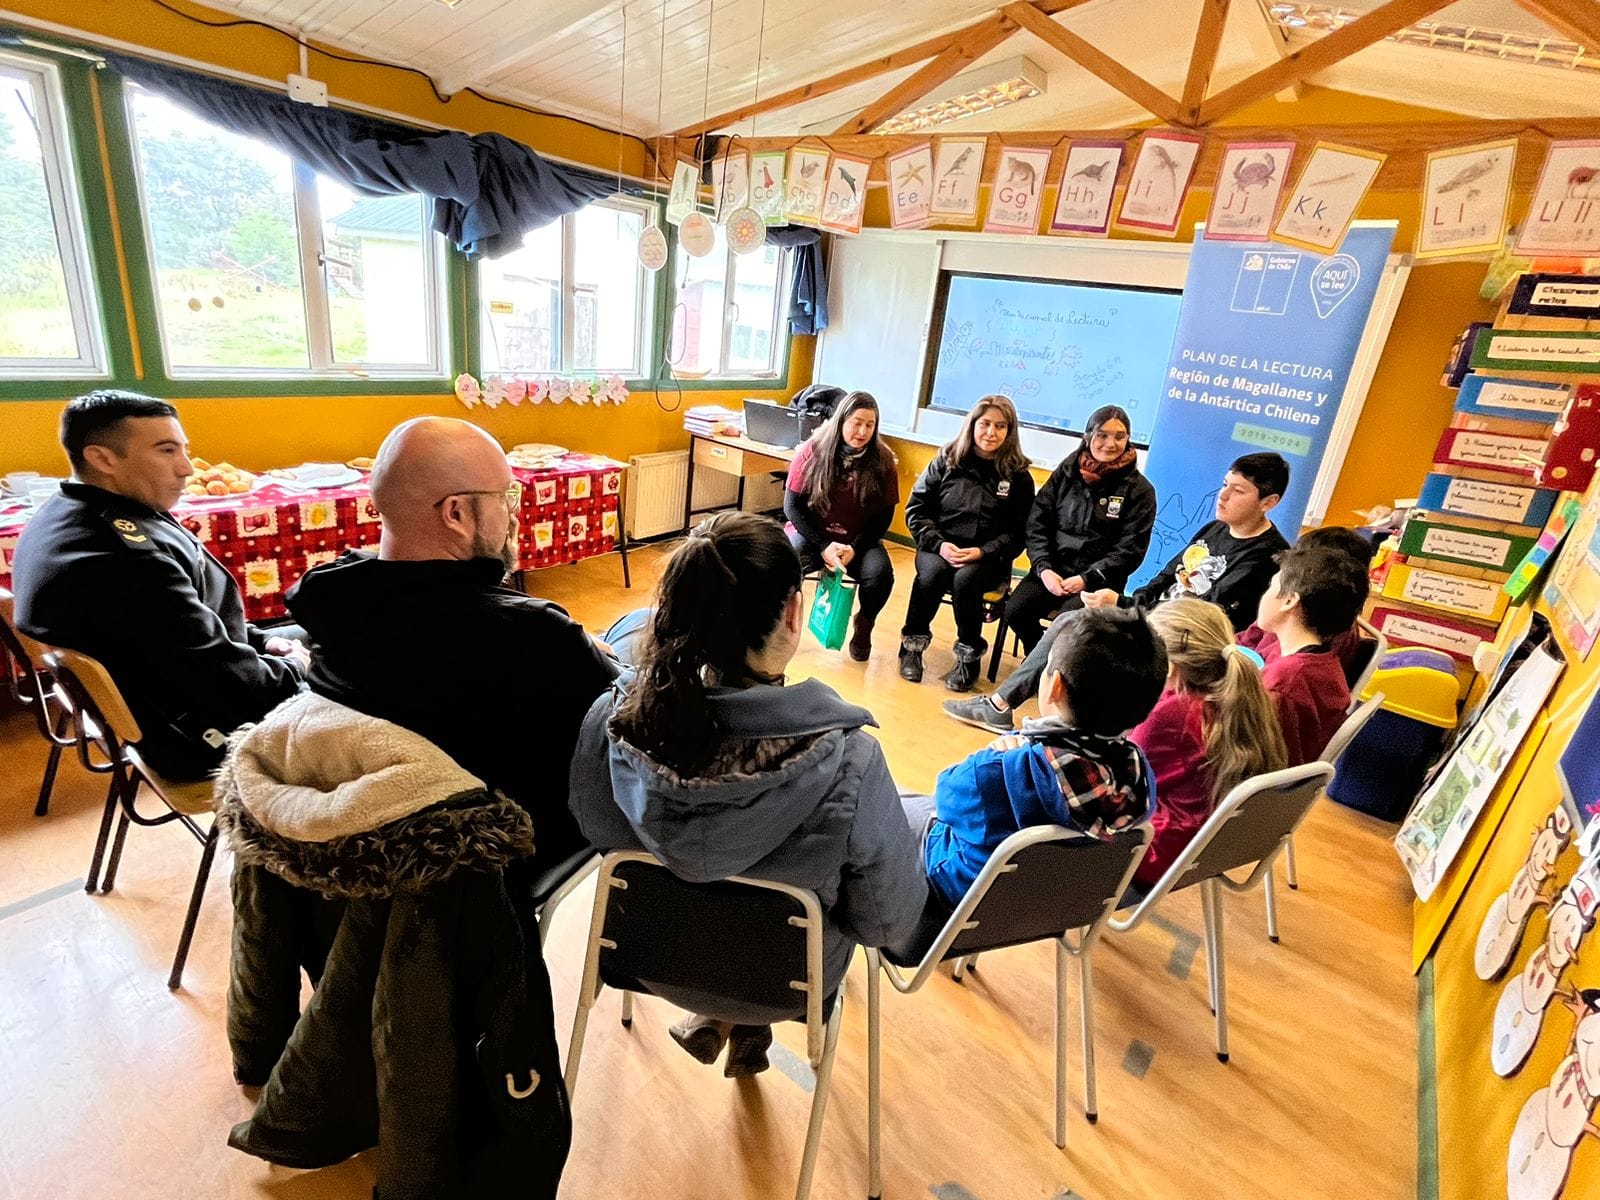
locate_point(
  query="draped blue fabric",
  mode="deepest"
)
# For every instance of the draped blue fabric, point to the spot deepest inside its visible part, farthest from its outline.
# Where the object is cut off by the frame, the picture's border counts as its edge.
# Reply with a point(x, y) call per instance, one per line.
point(808, 301)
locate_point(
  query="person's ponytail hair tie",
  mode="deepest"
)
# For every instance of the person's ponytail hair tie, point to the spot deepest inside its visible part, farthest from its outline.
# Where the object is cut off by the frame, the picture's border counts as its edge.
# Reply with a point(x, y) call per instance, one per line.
point(1247, 654)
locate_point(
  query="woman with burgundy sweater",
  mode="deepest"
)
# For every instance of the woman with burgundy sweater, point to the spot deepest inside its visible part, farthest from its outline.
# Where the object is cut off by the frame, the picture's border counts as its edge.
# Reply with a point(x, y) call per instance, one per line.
point(1213, 728)
point(1089, 528)
point(842, 491)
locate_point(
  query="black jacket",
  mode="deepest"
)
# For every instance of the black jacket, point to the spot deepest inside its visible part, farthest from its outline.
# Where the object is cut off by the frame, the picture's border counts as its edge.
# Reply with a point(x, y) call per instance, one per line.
point(431, 1033)
point(498, 680)
point(1230, 572)
point(968, 504)
point(1099, 532)
point(124, 583)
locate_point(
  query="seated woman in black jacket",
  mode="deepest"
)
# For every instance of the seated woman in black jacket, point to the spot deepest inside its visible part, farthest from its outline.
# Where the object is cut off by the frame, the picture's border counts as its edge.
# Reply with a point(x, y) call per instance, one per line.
point(842, 491)
point(967, 515)
point(1090, 526)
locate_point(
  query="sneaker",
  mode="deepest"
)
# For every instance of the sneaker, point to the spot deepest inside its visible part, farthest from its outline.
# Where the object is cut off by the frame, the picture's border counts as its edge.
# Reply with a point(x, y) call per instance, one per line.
point(978, 711)
point(747, 1051)
point(700, 1037)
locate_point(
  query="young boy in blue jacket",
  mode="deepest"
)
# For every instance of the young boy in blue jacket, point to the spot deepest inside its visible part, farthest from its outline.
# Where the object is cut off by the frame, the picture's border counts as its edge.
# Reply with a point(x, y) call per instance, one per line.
point(1071, 767)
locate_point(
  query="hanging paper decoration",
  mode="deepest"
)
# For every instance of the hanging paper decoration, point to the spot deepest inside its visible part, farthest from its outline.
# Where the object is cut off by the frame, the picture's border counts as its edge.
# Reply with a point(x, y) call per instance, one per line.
point(1088, 183)
point(1564, 218)
point(957, 172)
point(1159, 183)
point(845, 199)
point(1017, 191)
point(467, 390)
point(697, 235)
point(911, 187)
point(745, 230)
point(766, 186)
point(730, 184)
point(805, 178)
point(538, 390)
point(652, 248)
point(616, 390)
point(559, 390)
point(1325, 199)
point(1466, 192)
point(1245, 197)
point(494, 390)
point(685, 190)
point(516, 389)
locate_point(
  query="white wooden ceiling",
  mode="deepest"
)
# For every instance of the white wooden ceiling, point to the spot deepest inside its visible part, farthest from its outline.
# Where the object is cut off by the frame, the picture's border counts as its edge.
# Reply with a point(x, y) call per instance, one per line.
point(568, 55)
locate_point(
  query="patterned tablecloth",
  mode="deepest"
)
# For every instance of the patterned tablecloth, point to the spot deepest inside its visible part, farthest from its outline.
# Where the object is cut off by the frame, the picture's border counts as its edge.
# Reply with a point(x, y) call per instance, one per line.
point(271, 536)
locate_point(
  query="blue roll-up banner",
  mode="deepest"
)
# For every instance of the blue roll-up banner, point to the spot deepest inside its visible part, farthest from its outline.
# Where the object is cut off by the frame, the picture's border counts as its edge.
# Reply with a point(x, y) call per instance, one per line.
point(1266, 340)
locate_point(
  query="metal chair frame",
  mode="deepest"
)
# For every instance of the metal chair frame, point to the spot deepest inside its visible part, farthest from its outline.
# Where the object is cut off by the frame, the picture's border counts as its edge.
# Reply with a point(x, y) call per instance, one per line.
point(1304, 783)
point(969, 916)
point(822, 1032)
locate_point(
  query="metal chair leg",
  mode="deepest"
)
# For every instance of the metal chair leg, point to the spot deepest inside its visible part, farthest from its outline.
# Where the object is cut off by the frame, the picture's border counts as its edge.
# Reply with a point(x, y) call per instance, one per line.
point(193, 915)
point(958, 969)
point(580, 1026)
point(1091, 1104)
point(1219, 969)
point(874, 1080)
point(1291, 877)
point(819, 1100)
point(999, 648)
point(92, 883)
point(47, 785)
point(1061, 1046)
point(1208, 927)
point(627, 1009)
point(109, 879)
point(1270, 891)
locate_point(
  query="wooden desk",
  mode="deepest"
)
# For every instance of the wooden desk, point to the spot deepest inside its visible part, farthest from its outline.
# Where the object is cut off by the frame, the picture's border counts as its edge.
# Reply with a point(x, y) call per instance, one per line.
point(732, 456)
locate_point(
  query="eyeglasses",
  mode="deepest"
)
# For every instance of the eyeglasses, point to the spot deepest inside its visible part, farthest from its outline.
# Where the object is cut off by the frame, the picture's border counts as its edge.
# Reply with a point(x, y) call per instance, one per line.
point(512, 496)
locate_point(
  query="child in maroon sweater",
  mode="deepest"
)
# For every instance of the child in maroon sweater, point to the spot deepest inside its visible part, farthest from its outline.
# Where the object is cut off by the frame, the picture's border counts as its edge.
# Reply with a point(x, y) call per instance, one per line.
point(1315, 596)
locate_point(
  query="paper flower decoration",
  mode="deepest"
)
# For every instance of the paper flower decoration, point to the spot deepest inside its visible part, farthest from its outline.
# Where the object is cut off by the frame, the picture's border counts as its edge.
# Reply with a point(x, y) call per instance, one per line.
point(616, 390)
point(516, 389)
point(538, 389)
point(494, 390)
point(467, 390)
point(560, 389)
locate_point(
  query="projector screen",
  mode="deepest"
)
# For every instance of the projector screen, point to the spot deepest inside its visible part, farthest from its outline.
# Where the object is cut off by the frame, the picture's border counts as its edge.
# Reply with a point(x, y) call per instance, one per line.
point(1058, 350)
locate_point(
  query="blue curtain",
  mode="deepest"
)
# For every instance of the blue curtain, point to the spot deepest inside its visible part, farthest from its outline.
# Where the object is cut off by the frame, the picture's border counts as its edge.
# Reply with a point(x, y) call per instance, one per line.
point(808, 301)
point(488, 191)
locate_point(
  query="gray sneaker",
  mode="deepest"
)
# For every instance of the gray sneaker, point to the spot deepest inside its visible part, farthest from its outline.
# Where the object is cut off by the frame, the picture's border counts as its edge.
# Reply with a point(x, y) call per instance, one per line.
point(978, 711)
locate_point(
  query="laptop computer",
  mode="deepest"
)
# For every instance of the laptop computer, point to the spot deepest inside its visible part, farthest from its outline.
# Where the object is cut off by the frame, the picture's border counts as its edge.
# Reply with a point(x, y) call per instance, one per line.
point(777, 425)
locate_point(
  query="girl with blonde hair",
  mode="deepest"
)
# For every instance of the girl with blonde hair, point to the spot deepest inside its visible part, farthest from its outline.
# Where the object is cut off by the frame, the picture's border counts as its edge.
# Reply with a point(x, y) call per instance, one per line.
point(1213, 728)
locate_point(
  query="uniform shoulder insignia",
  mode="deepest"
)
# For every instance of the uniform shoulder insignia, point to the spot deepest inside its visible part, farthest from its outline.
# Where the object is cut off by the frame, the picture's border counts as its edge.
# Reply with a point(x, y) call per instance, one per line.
point(129, 530)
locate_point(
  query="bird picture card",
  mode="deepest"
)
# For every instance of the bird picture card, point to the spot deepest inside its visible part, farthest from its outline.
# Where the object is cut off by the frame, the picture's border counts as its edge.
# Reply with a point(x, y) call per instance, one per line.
point(911, 187)
point(1088, 185)
point(804, 179)
point(730, 184)
point(1244, 198)
point(1017, 191)
point(1159, 182)
point(957, 172)
point(1564, 218)
point(1466, 191)
point(681, 200)
point(1324, 200)
point(844, 199)
point(766, 186)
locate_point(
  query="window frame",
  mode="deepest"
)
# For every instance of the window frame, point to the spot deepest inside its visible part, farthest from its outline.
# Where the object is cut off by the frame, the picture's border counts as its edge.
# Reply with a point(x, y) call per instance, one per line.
point(722, 377)
point(314, 280)
point(64, 185)
point(646, 325)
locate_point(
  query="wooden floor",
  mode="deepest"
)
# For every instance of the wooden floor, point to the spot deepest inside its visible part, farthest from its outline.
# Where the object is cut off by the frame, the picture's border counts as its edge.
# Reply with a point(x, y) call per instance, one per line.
point(113, 1087)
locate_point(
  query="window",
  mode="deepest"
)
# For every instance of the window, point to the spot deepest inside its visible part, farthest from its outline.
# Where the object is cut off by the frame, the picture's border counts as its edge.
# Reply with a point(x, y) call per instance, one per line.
point(572, 299)
point(264, 266)
point(49, 322)
point(726, 322)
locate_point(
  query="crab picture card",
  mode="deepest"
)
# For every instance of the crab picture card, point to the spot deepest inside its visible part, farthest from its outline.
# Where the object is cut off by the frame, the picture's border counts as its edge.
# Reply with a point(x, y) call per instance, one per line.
point(1088, 184)
point(844, 196)
point(1326, 196)
point(1244, 199)
point(1564, 218)
point(1017, 191)
point(1466, 192)
point(1159, 182)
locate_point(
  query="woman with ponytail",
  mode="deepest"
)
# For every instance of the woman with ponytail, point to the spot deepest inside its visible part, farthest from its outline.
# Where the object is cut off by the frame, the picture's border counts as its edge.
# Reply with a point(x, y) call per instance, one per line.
point(1213, 728)
point(704, 758)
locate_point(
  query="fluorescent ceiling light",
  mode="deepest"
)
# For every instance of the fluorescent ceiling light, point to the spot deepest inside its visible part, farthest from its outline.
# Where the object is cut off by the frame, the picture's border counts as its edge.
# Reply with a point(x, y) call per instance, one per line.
point(980, 90)
point(1451, 35)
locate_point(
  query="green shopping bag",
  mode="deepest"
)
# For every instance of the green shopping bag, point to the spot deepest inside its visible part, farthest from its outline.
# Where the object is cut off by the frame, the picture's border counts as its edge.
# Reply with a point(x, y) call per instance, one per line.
point(830, 609)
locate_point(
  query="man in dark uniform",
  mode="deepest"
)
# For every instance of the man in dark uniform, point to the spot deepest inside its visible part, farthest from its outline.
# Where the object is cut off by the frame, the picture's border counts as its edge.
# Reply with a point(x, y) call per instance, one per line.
point(104, 569)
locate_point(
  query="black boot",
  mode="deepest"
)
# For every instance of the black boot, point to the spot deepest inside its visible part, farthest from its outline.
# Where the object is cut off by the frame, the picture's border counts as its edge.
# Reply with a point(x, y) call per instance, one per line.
point(964, 674)
point(861, 637)
point(911, 648)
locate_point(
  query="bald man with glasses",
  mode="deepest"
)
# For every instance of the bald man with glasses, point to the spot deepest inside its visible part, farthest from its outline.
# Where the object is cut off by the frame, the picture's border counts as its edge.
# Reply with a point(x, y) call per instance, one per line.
point(425, 633)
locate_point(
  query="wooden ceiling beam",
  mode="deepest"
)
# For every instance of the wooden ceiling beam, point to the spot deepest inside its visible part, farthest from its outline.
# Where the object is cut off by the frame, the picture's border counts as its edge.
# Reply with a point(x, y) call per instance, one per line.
point(1321, 54)
point(1577, 19)
point(1268, 40)
point(968, 48)
point(1203, 61)
point(1405, 144)
point(1097, 63)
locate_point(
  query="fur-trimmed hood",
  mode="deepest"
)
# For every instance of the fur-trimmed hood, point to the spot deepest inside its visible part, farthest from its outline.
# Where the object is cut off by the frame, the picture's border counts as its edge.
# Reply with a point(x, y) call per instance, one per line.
point(351, 805)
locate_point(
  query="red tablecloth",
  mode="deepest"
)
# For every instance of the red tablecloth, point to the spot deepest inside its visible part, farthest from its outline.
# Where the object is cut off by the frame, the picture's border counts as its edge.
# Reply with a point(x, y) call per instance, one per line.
point(270, 537)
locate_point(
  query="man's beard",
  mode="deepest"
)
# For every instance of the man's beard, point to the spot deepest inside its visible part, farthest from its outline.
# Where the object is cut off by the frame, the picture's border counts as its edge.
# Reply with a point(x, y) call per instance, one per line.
point(506, 551)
